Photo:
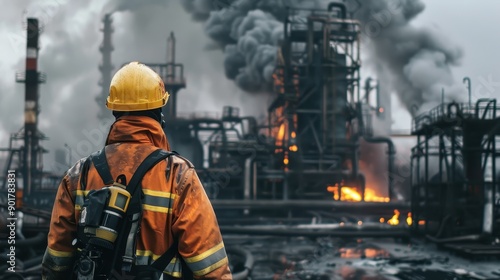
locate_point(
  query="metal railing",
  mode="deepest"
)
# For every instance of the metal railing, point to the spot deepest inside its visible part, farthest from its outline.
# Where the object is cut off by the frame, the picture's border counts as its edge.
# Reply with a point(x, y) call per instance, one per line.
point(484, 109)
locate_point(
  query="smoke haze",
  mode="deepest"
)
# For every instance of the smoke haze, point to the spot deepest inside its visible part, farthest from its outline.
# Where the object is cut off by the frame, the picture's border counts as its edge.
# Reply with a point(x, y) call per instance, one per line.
point(69, 56)
point(414, 62)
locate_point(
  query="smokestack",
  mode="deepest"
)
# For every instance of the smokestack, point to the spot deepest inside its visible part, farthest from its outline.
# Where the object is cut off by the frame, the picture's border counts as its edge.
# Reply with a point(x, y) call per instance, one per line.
point(106, 68)
point(174, 80)
point(31, 152)
point(170, 57)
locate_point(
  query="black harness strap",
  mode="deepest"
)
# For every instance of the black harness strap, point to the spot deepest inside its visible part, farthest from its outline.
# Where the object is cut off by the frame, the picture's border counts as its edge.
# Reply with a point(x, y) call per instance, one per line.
point(150, 161)
point(101, 165)
point(161, 263)
point(135, 205)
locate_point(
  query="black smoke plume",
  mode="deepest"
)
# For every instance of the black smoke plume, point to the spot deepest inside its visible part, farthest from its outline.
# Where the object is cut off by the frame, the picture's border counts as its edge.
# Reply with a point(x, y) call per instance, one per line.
point(413, 62)
point(249, 32)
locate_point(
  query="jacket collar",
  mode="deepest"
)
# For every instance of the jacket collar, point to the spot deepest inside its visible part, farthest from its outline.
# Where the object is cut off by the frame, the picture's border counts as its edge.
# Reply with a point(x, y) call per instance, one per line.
point(137, 129)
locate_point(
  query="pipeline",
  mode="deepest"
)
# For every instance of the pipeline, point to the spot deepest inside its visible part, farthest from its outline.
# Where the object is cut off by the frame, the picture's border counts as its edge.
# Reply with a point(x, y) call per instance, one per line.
point(463, 238)
point(250, 182)
point(344, 232)
point(248, 265)
point(391, 151)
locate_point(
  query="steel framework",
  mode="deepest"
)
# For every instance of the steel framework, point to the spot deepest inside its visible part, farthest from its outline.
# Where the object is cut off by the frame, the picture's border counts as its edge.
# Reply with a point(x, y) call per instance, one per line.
point(455, 190)
point(317, 85)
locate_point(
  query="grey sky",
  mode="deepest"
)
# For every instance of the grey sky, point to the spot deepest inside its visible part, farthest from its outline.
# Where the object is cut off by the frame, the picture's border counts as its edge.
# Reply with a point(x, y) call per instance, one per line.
point(473, 26)
point(69, 56)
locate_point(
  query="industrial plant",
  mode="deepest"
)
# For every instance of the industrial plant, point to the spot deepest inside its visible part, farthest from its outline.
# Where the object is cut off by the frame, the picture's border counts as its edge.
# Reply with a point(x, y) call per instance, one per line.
point(314, 191)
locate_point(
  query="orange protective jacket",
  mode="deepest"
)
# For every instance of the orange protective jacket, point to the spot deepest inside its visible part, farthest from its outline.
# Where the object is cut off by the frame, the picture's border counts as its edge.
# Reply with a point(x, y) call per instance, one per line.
point(175, 206)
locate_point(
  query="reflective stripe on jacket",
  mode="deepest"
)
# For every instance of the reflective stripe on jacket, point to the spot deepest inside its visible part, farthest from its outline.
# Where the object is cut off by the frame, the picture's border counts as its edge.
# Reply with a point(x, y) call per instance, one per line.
point(175, 205)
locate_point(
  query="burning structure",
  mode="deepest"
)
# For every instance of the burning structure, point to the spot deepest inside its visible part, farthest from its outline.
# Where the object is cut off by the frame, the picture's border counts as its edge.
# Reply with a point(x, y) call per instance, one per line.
point(299, 174)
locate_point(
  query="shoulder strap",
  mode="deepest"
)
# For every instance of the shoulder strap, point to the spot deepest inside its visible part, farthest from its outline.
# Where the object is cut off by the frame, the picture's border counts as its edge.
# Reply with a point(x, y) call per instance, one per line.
point(127, 241)
point(161, 263)
point(150, 161)
point(101, 165)
point(164, 260)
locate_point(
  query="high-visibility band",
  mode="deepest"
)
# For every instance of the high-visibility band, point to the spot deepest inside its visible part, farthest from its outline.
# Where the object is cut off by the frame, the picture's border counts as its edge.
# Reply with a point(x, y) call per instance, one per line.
point(79, 197)
point(146, 257)
point(209, 268)
point(158, 201)
point(146, 253)
point(159, 193)
point(208, 261)
point(58, 260)
point(60, 254)
point(154, 201)
point(174, 268)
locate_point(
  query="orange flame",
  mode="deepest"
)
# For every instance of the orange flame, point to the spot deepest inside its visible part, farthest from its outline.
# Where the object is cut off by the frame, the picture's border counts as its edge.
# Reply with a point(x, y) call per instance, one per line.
point(371, 195)
point(409, 220)
point(281, 132)
point(352, 194)
point(348, 193)
point(286, 161)
point(394, 221)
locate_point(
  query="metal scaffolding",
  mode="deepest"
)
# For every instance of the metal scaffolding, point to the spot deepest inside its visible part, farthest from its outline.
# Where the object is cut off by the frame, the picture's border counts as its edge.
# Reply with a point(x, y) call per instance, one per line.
point(317, 85)
point(455, 190)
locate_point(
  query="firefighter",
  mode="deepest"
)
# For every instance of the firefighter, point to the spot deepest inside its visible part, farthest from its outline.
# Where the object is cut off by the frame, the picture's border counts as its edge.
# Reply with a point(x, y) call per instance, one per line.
point(175, 205)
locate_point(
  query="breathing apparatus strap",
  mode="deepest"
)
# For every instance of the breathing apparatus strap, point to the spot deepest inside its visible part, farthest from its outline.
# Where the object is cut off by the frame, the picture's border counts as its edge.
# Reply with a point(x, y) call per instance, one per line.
point(101, 165)
point(133, 217)
point(135, 208)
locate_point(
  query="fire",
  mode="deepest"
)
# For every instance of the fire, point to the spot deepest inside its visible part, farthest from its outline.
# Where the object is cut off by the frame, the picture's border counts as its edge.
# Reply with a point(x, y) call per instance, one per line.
point(347, 193)
point(409, 220)
point(352, 194)
point(281, 132)
point(285, 161)
point(334, 190)
point(293, 148)
point(370, 195)
point(394, 221)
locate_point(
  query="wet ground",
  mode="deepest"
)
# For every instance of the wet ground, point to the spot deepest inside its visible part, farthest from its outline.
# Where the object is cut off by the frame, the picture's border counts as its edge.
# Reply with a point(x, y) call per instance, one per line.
point(364, 259)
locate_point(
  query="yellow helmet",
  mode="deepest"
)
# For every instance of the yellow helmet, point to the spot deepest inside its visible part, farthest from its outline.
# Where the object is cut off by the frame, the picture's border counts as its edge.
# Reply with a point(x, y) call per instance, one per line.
point(136, 87)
